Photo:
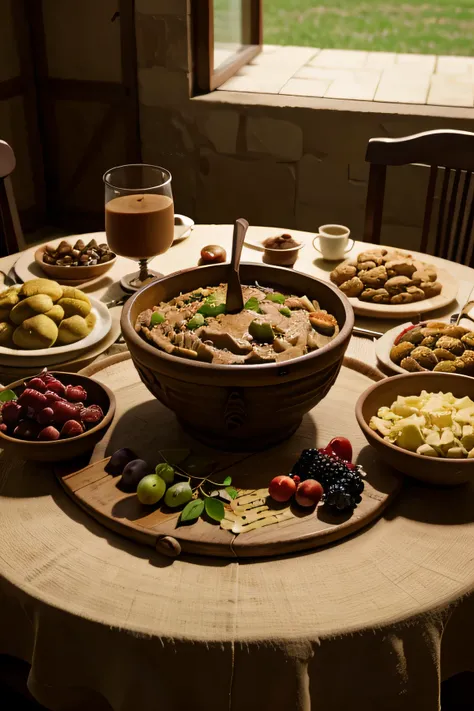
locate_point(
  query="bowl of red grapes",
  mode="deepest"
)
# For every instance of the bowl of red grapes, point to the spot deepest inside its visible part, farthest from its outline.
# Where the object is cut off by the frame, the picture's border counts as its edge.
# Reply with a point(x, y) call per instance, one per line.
point(54, 416)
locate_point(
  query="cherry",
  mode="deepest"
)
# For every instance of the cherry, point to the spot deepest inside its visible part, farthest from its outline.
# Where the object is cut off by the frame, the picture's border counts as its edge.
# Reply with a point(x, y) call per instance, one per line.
point(341, 447)
point(282, 488)
point(309, 493)
point(26, 430)
point(72, 428)
point(49, 434)
point(37, 384)
point(75, 393)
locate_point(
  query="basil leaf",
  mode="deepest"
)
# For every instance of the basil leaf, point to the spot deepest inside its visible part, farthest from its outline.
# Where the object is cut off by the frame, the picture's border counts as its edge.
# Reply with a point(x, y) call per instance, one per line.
point(233, 493)
point(192, 511)
point(7, 395)
point(227, 481)
point(276, 297)
point(214, 509)
point(253, 305)
point(157, 318)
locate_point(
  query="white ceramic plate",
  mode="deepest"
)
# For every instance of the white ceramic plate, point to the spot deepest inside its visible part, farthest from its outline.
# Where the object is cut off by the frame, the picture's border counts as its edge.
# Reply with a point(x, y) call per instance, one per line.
point(47, 356)
point(383, 345)
point(447, 296)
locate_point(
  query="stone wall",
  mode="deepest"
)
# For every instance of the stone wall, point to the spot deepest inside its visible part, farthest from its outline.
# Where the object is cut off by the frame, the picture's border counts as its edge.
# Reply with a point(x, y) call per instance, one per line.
point(270, 159)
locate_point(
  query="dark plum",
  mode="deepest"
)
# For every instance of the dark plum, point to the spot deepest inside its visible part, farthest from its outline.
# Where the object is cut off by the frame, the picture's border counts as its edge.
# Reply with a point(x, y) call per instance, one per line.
point(133, 473)
point(75, 393)
point(32, 398)
point(49, 434)
point(27, 430)
point(119, 460)
point(45, 416)
point(3, 427)
point(11, 412)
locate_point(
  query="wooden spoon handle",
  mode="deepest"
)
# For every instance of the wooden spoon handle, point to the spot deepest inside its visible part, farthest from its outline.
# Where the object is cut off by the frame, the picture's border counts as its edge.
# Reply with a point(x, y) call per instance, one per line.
point(240, 230)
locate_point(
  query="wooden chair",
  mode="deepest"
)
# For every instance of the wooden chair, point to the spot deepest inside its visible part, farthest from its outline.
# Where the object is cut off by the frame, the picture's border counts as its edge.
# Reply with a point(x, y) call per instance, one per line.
point(450, 158)
point(11, 236)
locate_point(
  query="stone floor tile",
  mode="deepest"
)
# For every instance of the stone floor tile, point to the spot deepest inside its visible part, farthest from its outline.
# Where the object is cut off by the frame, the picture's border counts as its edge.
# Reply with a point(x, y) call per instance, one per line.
point(263, 83)
point(455, 65)
point(425, 62)
point(344, 58)
point(319, 73)
point(360, 85)
point(294, 57)
point(306, 87)
point(445, 91)
point(400, 90)
point(380, 60)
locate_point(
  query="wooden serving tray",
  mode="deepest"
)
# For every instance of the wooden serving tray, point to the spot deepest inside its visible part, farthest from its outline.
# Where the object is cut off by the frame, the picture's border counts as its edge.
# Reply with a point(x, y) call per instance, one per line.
point(146, 426)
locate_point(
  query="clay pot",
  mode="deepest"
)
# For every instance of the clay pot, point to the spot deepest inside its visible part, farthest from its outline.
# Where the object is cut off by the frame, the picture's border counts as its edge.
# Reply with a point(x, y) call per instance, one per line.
point(239, 407)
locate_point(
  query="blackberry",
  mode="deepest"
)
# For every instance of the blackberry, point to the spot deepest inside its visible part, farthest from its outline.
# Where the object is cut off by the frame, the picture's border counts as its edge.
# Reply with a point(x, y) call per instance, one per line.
point(342, 483)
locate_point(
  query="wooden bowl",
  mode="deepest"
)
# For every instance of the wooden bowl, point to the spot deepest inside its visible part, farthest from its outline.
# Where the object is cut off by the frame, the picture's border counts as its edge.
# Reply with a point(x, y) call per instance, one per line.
point(239, 407)
point(69, 274)
point(432, 470)
point(63, 449)
point(281, 257)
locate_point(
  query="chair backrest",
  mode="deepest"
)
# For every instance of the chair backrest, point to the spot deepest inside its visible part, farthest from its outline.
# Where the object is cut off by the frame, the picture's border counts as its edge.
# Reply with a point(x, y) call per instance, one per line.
point(11, 235)
point(450, 158)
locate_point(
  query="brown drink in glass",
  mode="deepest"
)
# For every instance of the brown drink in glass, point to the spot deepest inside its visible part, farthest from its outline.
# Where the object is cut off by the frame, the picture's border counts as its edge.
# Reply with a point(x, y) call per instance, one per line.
point(139, 215)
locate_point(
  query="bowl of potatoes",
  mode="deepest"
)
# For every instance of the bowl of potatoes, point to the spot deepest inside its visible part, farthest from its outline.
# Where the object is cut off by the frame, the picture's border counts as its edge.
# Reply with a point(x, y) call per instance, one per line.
point(42, 319)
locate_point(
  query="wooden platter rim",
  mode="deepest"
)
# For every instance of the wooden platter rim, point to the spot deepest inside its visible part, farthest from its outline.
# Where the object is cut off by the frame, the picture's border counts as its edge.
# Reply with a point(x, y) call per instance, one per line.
point(230, 545)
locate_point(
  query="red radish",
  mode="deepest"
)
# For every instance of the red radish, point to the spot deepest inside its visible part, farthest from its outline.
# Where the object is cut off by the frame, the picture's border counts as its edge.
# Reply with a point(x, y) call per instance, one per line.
point(341, 447)
point(75, 393)
point(282, 488)
point(45, 416)
point(37, 384)
point(309, 493)
point(71, 428)
point(11, 412)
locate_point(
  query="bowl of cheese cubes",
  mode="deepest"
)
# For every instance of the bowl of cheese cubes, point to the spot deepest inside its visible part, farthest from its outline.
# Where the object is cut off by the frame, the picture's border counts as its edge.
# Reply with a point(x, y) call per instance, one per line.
point(422, 424)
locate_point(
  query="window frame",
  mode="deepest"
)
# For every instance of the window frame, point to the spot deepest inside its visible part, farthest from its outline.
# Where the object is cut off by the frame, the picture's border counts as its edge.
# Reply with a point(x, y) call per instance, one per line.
point(206, 77)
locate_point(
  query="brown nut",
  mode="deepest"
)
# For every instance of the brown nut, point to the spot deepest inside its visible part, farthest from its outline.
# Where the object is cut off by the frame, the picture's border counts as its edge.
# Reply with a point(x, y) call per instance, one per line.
point(375, 278)
point(352, 287)
point(79, 245)
point(342, 273)
point(459, 364)
point(366, 265)
point(419, 276)
point(397, 284)
point(400, 351)
point(403, 298)
point(429, 341)
point(418, 294)
point(381, 296)
point(213, 254)
point(453, 345)
point(372, 255)
point(48, 259)
point(400, 267)
point(411, 365)
point(424, 357)
point(414, 335)
point(64, 248)
point(431, 288)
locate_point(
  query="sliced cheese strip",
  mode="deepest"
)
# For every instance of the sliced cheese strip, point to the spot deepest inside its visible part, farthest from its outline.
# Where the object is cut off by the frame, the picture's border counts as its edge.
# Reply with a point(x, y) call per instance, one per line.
point(247, 506)
point(265, 518)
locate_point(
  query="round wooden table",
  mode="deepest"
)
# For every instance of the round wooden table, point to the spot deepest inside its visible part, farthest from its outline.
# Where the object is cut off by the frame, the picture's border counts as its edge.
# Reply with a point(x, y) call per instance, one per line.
point(374, 622)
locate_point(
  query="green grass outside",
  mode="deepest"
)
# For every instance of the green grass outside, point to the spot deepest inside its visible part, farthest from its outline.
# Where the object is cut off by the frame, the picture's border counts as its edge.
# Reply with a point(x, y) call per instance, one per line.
point(424, 26)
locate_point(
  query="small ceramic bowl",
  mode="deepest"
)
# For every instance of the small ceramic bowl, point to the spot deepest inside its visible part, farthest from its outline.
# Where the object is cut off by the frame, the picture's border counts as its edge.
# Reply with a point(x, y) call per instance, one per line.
point(281, 257)
point(432, 470)
point(63, 449)
point(70, 274)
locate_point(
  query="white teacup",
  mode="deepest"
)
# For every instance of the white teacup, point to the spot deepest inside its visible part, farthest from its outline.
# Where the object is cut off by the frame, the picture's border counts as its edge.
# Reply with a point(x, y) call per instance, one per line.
point(333, 240)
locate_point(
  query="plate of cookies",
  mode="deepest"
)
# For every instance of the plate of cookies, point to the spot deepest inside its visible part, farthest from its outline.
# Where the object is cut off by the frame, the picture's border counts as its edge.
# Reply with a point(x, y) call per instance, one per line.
point(390, 283)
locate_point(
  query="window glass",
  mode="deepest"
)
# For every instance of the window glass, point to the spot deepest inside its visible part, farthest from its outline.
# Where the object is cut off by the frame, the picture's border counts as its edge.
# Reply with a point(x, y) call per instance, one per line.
point(228, 29)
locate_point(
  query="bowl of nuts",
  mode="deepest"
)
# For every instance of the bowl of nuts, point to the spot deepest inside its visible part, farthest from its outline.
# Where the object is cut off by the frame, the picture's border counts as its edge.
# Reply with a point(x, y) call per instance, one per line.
point(75, 261)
